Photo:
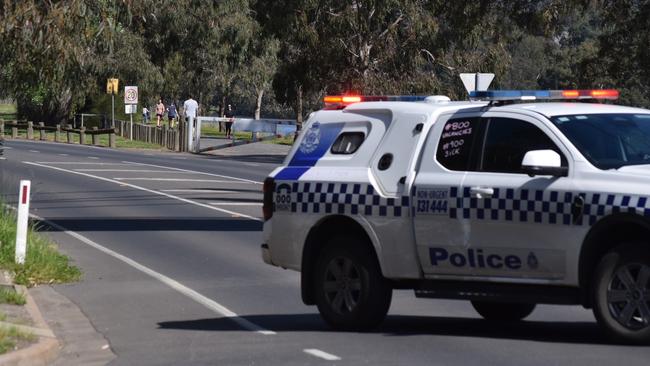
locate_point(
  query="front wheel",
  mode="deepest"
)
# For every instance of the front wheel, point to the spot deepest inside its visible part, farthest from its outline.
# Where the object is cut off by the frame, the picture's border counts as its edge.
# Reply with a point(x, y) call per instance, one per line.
point(350, 291)
point(621, 290)
point(503, 311)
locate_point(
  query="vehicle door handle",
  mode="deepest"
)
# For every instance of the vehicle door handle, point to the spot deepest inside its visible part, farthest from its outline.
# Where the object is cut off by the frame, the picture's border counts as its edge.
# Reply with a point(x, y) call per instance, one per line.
point(481, 192)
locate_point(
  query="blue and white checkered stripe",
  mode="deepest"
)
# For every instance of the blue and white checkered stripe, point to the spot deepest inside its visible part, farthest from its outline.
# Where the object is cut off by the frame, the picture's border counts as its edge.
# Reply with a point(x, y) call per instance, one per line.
point(345, 198)
point(542, 206)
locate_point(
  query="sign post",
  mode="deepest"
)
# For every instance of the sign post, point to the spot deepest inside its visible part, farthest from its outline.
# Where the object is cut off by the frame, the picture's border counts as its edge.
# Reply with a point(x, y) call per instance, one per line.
point(23, 215)
point(130, 104)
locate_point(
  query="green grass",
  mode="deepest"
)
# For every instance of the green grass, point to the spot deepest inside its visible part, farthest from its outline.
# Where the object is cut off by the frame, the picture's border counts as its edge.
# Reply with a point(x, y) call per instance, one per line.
point(285, 140)
point(8, 111)
point(120, 142)
point(10, 296)
point(11, 336)
point(43, 263)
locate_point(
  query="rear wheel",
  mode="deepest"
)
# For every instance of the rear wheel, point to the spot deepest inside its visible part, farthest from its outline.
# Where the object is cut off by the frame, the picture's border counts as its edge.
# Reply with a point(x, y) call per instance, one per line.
point(350, 292)
point(621, 290)
point(503, 311)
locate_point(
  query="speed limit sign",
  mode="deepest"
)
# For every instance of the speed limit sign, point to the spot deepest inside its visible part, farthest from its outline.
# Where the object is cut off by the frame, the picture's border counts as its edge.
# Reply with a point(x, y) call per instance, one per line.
point(130, 95)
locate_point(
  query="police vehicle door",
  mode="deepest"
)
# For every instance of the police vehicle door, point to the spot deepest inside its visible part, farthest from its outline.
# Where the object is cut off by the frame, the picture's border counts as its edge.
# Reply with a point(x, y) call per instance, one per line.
point(515, 225)
point(447, 155)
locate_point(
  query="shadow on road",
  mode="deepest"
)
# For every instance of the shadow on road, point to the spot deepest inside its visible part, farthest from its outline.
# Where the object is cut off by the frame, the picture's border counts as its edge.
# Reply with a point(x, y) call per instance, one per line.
point(80, 224)
point(259, 158)
point(400, 325)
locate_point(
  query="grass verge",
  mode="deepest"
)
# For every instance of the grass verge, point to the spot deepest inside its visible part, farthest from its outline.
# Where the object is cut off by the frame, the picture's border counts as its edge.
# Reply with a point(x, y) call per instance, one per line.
point(43, 263)
point(120, 142)
point(11, 336)
point(8, 112)
point(12, 297)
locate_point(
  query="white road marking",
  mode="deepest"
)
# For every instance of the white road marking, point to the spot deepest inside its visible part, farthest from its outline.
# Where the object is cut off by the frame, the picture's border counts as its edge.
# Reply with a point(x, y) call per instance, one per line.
point(34, 151)
point(63, 155)
point(321, 354)
point(128, 170)
point(79, 163)
point(197, 191)
point(251, 164)
point(147, 190)
point(93, 157)
point(7, 148)
point(236, 203)
point(192, 294)
point(178, 180)
point(197, 172)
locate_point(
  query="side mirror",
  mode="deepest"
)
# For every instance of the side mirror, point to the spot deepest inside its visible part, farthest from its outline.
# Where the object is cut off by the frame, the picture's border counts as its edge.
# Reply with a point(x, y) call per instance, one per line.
point(543, 162)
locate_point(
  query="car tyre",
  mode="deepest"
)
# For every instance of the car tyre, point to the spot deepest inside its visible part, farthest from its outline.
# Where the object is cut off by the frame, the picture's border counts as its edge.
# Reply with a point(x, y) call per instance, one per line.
point(621, 293)
point(350, 291)
point(500, 311)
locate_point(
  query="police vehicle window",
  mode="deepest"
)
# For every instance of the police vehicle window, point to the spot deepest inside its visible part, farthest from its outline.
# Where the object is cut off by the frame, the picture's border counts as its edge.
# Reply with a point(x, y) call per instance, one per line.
point(456, 143)
point(348, 142)
point(507, 141)
point(609, 141)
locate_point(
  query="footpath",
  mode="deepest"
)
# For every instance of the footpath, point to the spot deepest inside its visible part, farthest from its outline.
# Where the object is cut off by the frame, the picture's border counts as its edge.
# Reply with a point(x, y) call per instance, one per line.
point(61, 334)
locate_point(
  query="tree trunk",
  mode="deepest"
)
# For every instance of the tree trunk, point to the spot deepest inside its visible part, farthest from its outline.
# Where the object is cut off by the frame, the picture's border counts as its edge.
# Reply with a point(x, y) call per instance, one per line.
point(299, 108)
point(258, 107)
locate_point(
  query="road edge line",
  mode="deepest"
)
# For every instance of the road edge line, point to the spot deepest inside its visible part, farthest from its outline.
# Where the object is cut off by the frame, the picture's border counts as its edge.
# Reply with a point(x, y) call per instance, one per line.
point(192, 294)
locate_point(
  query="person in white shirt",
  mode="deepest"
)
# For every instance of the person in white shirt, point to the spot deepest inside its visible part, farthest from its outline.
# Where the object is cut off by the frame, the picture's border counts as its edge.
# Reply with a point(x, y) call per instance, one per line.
point(190, 108)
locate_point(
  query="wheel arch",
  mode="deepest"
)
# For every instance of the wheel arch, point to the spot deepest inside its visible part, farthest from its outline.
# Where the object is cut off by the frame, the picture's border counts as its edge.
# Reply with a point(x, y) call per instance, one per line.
point(603, 236)
point(316, 239)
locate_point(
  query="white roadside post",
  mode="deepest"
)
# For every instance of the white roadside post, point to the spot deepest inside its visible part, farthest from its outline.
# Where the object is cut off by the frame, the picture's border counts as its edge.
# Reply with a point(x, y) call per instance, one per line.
point(23, 216)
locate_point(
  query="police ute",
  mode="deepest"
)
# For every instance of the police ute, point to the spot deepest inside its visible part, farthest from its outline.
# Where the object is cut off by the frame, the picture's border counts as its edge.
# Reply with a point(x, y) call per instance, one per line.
point(508, 200)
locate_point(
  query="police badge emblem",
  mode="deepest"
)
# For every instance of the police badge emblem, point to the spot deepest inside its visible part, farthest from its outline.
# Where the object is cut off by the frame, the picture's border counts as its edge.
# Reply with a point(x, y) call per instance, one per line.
point(311, 140)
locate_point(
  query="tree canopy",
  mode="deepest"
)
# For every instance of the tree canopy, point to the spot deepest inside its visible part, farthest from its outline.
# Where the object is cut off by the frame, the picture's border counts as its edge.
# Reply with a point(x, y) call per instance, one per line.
point(278, 58)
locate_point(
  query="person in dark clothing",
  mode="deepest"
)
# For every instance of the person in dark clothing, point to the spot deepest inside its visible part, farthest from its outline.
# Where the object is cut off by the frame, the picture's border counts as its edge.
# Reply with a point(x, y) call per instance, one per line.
point(230, 114)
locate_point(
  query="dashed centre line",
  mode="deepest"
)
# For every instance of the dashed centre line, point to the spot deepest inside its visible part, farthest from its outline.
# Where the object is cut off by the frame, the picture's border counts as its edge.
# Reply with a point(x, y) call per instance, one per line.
point(129, 170)
point(93, 157)
point(179, 180)
point(322, 354)
point(236, 203)
point(79, 163)
point(197, 191)
point(146, 190)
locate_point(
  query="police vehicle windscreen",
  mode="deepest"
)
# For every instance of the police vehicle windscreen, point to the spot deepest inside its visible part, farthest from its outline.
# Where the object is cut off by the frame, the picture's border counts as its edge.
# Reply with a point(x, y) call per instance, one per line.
point(609, 141)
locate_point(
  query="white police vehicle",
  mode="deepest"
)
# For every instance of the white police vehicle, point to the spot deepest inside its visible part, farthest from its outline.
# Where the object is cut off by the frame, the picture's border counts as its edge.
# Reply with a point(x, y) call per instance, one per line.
point(504, 204)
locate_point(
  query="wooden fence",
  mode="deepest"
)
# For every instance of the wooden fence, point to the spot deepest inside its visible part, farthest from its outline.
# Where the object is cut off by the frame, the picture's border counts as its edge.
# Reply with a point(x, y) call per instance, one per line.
point(170, 138)
point(58, 131)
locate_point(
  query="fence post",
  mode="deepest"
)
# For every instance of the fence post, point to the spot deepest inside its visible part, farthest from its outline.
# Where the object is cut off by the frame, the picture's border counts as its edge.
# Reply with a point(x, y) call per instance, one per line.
point(164, 136)
point(2, 128)
point(14, 130)
point(30, 130)
point(82, 135)
point(57, 133)
point(95, 137)
point(42, 131)
point(111, 139)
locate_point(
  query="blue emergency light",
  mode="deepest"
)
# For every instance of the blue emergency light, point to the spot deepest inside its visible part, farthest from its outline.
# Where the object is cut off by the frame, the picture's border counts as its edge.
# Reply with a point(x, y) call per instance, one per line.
point(495, 95)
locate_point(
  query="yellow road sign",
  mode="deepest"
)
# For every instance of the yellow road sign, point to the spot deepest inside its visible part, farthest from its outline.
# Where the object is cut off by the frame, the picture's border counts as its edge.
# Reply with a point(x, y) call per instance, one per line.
point(112, 86)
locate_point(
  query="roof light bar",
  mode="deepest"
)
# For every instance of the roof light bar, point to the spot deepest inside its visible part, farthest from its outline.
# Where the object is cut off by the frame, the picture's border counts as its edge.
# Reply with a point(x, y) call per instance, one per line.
point(339, 101)
point(544, 94)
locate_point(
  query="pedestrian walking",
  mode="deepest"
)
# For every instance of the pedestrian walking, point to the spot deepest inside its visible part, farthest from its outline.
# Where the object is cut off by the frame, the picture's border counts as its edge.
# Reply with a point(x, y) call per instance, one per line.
point(172, 113)
point(230, 114)
point(145, 115)
point(190, 108)
point(160, 109)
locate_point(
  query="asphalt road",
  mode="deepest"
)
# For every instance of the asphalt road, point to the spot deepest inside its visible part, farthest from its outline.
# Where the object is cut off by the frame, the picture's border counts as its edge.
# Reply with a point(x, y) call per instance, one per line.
point(169, 247)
